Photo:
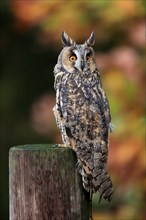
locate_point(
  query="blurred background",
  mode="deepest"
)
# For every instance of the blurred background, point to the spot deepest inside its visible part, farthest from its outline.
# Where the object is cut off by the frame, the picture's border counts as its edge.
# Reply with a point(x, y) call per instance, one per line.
point(30, 45)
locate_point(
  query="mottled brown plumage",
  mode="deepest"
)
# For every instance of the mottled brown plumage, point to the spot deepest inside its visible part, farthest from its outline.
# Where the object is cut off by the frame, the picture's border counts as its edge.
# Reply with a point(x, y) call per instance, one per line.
point(82, 113)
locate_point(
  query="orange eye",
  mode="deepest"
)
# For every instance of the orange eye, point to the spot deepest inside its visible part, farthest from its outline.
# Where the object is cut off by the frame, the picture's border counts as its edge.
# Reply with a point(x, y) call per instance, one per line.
point(72, 58)
point(88, 57)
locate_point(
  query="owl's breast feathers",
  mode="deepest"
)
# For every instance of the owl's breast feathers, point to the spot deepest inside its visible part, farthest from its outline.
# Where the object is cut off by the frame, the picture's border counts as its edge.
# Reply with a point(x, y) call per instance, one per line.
point(81, 106)
point(82, 100)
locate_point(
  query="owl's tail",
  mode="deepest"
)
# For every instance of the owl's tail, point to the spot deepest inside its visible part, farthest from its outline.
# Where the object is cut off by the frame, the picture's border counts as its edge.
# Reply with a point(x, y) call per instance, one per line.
point(103, 184)
point(97, 179)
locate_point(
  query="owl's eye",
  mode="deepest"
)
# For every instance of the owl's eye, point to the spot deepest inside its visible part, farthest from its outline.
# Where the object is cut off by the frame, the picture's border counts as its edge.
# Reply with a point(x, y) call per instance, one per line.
point(72, 58)
point(88, 57)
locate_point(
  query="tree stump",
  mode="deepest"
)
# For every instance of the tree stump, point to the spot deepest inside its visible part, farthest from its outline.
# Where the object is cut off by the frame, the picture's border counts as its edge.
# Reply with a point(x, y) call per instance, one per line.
point(44, 184)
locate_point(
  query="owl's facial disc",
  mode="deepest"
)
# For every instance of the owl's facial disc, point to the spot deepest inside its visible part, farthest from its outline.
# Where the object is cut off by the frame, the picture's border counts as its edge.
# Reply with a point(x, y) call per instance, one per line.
point(78, 58)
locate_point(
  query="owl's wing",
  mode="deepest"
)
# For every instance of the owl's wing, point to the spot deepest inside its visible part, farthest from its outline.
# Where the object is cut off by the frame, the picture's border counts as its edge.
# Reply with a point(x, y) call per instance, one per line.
point(107, 113)
point(106, 107)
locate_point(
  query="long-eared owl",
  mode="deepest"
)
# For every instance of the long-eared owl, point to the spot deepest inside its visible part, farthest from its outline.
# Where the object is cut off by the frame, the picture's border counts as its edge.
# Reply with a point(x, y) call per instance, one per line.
point(82, 113)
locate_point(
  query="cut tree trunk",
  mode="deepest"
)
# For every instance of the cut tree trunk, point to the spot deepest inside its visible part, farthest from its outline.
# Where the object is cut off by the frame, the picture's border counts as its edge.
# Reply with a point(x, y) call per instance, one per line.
point(44, 184)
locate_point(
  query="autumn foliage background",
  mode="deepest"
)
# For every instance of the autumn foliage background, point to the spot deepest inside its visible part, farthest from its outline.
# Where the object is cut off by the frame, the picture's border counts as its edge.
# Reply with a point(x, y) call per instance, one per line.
point(30, 44)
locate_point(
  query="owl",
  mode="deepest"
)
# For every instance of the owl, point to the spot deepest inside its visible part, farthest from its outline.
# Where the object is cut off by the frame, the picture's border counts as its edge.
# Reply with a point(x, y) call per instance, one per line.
point(82, 113)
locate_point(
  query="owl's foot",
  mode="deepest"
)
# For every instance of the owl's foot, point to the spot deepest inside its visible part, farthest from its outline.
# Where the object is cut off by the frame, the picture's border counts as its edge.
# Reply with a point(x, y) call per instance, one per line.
point(79, 167)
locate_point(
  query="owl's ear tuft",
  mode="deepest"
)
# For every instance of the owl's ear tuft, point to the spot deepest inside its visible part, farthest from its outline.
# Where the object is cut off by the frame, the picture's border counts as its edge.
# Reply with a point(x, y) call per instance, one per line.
point(91, 40)
point(66, 40)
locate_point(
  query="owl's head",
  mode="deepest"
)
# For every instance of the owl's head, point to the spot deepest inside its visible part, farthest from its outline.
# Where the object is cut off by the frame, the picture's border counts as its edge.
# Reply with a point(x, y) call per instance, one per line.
point(77, 57)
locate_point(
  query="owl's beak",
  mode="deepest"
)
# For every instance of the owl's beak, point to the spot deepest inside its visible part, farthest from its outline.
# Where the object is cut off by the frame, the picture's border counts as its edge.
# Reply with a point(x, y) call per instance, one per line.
point(82, 65)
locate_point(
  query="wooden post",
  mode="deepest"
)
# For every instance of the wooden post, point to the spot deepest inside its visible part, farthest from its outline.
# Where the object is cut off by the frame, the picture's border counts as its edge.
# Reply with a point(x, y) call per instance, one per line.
point(44, 184)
